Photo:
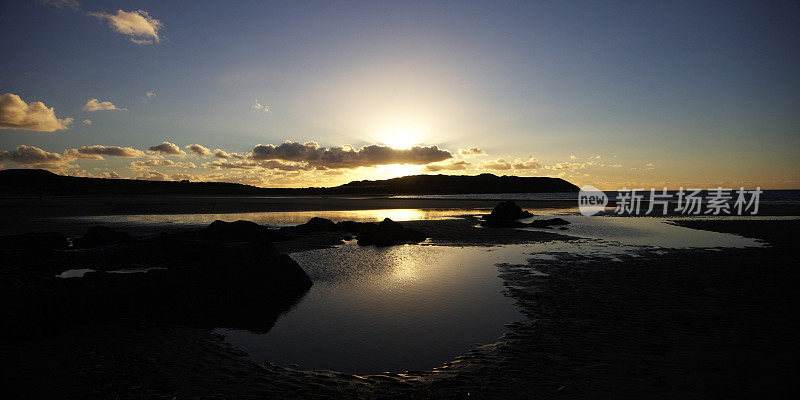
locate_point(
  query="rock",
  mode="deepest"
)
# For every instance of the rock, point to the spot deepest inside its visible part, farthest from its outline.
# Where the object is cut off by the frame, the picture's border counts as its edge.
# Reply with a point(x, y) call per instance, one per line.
point(201, 282)
point(239, 231)
point(102, 236)
point(506, 215)
point(547, 223)
point(389, 233)
point(509, 210)
point(45, 240)
point(315, 224)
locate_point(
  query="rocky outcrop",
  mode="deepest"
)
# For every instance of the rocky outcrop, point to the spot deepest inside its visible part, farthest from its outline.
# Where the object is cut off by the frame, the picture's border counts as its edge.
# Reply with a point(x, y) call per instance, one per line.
point(203, 282)
point(388, 233)
point(385, 233)
point(506, 215)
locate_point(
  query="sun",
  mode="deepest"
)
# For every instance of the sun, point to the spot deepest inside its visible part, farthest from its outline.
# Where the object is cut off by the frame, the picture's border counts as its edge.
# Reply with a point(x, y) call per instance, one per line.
point(400, 140)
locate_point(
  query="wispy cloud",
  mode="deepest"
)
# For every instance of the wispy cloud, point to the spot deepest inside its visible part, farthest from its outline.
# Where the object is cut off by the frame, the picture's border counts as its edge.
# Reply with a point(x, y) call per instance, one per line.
point(60, 3)
point(16, 114)
point(138, 25)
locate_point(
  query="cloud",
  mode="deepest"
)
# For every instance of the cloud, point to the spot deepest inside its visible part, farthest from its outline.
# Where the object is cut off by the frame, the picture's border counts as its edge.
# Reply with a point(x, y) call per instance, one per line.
point(453, 166)
point(153, 176)
point(572, 157)
point(95, 105)
point(87, 122)
point(531, 163)
point(16, 114)
point(167, 148)
point(28, 155)
point(60, 3)
point(472, 151)
point(346, 156)
point(499, 165)
point(138, 25)
point(199, 150)
point(97, 152)
point(150, 95)
point(225, 155)
point(259, 106)
point(568, 166)
point(267, 164)
point(139, 165)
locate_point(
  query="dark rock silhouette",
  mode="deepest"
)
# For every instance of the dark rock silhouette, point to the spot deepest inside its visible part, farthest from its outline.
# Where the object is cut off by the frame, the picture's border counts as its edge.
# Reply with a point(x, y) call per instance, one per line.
point(199, 281)
point(101, 236)
point(389, 233)
point(239, 231)
point(506, 215)
point(385, 233)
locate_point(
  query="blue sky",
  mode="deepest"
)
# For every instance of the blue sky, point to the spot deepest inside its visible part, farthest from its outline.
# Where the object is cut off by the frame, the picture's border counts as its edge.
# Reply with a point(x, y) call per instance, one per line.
point(686, 93)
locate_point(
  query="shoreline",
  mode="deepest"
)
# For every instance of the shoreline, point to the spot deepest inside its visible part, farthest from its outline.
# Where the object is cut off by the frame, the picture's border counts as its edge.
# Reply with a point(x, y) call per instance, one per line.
point(672, 323)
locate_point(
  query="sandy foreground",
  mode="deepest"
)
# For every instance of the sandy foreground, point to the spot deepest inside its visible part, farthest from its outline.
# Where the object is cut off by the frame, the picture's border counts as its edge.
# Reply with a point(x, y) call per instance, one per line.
point(658, 324)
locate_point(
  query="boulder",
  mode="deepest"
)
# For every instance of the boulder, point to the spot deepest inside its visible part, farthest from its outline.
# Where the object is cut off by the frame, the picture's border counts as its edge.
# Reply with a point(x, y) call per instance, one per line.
point(388, 233)
point(506, 215)
point(315, 224)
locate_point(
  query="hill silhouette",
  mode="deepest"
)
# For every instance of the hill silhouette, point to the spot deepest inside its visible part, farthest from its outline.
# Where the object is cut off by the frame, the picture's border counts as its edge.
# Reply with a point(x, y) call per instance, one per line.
point(41, 182)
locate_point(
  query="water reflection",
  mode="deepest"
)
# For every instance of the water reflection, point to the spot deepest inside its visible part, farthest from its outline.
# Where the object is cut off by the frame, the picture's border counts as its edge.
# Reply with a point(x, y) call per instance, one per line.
point(391, 309)
point(281, 218)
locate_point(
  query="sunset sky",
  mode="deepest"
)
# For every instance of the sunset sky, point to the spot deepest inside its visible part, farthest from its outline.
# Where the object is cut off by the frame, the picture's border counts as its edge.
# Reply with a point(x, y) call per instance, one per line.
point(598, 92)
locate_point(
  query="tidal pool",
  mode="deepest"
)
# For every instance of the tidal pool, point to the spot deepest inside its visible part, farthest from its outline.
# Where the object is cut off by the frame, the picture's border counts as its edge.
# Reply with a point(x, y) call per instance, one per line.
point(389, 309)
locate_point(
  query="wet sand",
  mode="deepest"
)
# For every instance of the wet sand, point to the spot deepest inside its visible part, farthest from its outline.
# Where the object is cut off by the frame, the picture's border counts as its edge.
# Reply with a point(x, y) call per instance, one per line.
point(694, 323)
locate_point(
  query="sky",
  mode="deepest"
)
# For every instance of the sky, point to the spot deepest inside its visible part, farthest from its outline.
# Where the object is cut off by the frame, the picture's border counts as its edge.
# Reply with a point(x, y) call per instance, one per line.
point(289, 94)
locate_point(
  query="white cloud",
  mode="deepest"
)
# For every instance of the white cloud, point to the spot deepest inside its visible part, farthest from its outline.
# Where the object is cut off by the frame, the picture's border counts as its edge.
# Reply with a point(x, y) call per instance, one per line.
point(199, 150)
point(150, 95)
point(16, 114)
point(138, 25)
point(259, 106)
point(531, 163)
point(472, 151)
point(499, 165)
point(167, 148)
point(568, 166)
point(453, 166)
point(95, 105)
point(87, 122)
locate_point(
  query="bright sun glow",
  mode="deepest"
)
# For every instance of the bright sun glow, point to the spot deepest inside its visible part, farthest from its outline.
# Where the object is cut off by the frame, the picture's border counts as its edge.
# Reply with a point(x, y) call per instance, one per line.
point(401, 140)
point(395, 170)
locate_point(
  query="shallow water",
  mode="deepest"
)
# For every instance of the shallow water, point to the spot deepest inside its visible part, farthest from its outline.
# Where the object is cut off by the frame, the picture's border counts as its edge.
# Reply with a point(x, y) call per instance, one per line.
point(414, 307)
point(391, 309)
point(281, 218)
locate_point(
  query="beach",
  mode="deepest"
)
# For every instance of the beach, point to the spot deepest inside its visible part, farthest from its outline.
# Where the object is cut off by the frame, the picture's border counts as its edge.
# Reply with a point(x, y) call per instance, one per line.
point(599, 319)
